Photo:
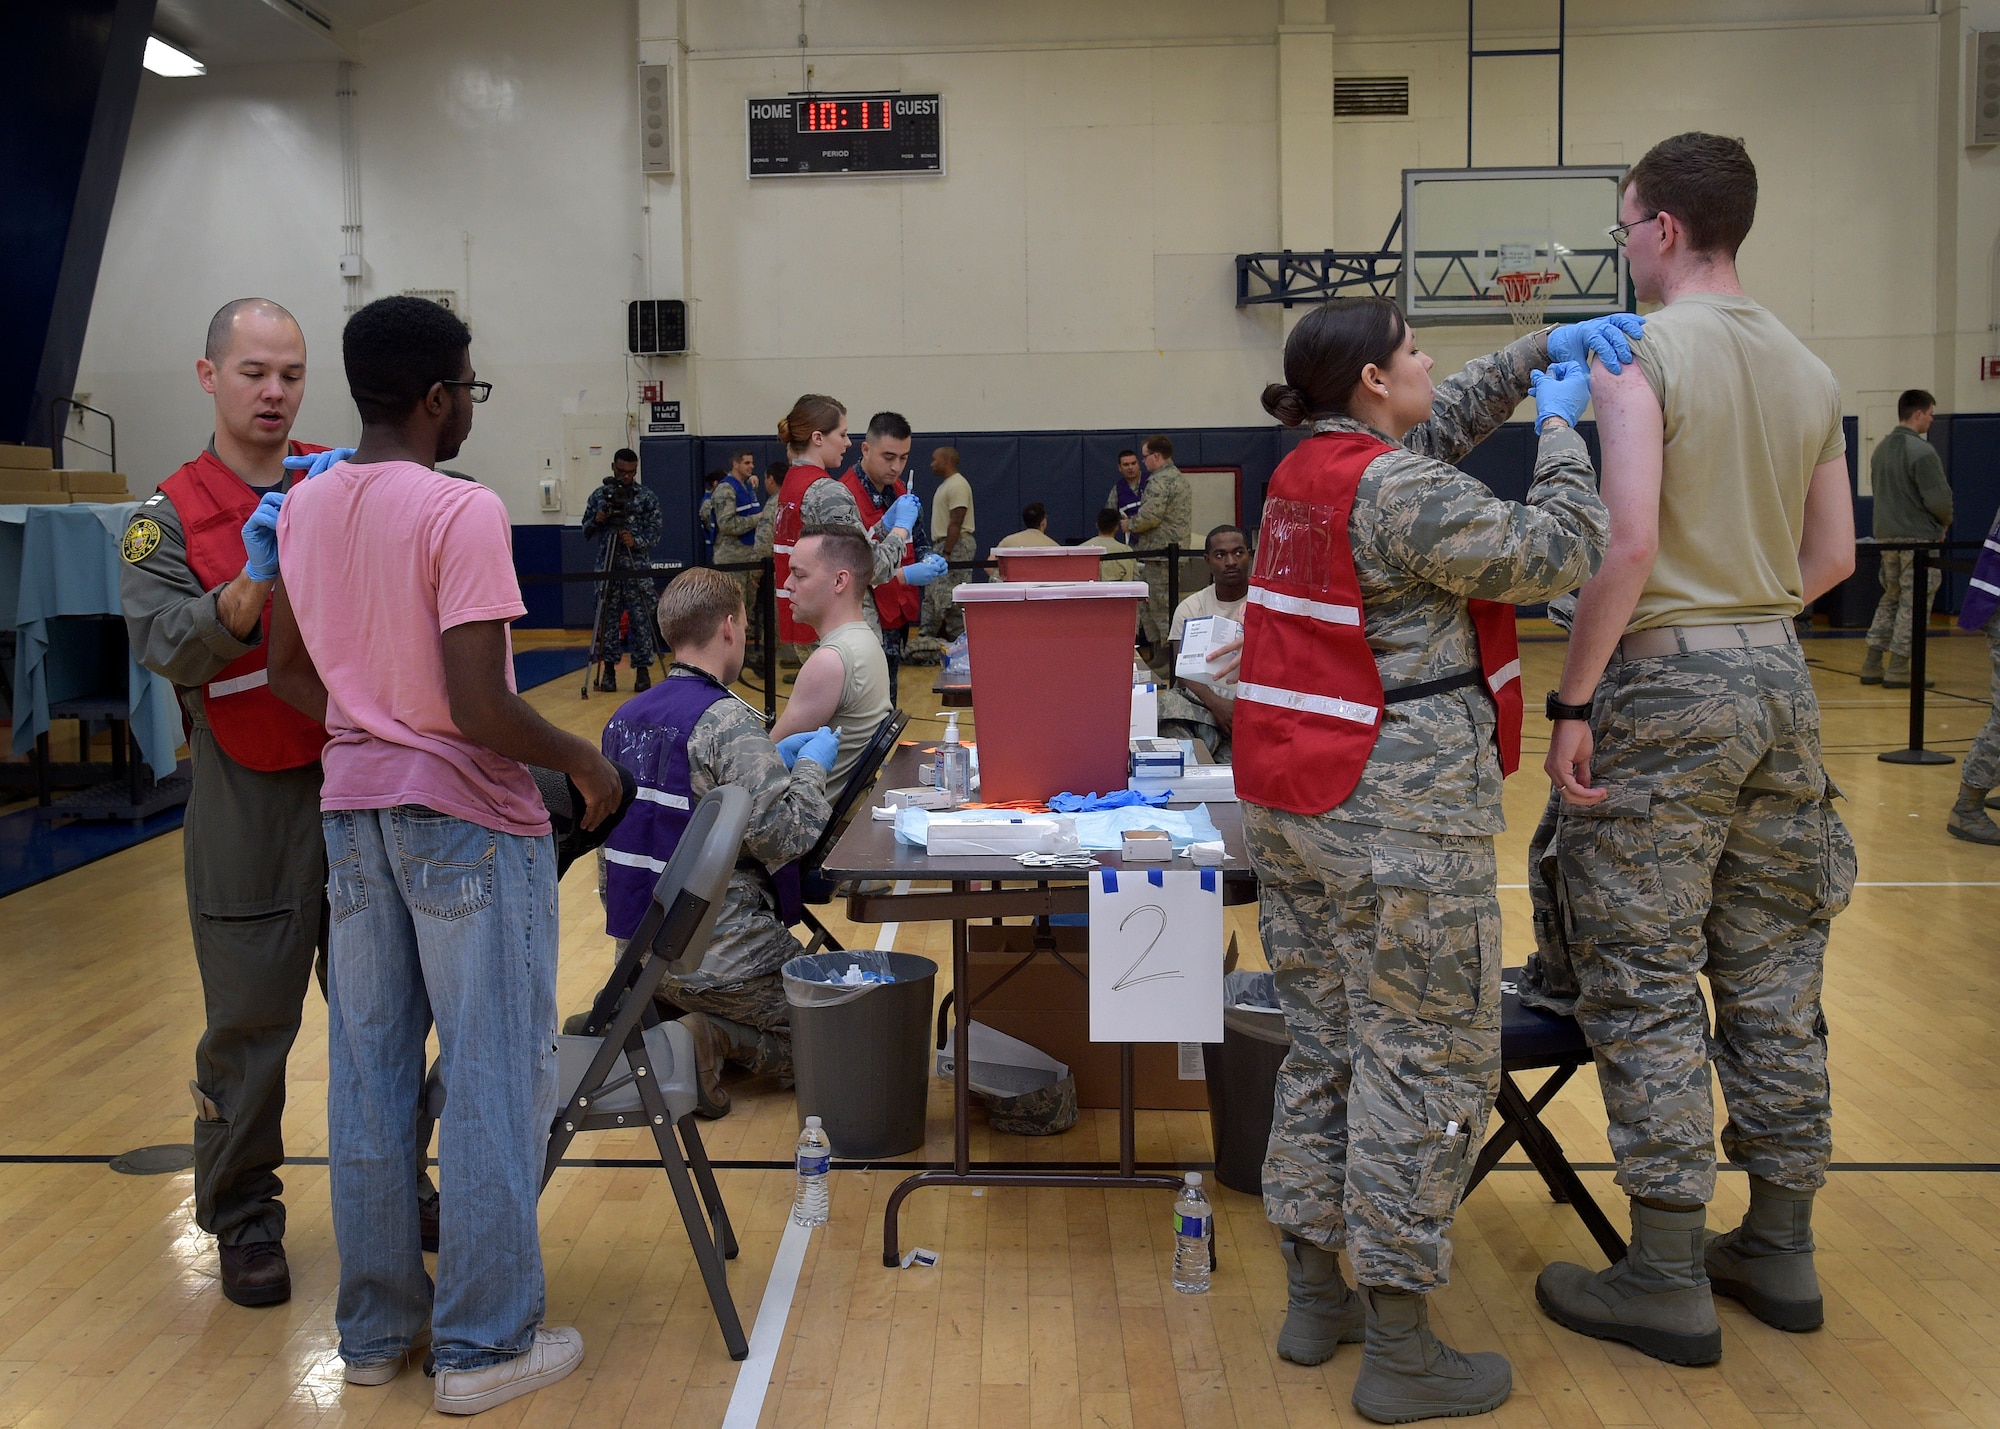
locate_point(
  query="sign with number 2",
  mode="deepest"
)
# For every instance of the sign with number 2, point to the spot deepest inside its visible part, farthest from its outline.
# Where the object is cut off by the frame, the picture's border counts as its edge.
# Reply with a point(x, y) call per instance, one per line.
point(1156, 955)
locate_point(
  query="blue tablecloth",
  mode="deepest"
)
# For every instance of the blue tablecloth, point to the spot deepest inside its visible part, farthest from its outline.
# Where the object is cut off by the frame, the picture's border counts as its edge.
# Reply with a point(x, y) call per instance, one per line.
point(58, 562)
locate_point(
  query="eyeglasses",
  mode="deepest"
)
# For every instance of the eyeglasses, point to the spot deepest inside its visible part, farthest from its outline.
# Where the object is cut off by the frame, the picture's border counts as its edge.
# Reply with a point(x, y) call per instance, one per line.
point(1622, 234)
point(478, 391)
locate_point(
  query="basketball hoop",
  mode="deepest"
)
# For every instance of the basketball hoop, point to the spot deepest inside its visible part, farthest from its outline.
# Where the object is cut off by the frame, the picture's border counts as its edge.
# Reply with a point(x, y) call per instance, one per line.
point(1527, 296)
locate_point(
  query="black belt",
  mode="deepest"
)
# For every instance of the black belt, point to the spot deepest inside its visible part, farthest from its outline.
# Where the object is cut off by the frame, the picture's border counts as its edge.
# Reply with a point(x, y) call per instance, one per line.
point(1464, 680)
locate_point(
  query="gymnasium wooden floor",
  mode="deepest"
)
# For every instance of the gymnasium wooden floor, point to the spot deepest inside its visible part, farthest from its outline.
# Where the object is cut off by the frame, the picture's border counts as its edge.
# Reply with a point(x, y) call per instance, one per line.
point(1046, 1307)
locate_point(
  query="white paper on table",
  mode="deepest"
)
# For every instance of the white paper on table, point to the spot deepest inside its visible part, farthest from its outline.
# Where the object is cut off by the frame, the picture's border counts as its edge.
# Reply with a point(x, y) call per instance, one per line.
point(1145, 712)
point(1156, 955)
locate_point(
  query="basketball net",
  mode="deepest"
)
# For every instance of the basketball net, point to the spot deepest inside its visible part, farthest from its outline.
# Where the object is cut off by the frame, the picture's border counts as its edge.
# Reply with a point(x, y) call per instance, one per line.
point(1527, 296)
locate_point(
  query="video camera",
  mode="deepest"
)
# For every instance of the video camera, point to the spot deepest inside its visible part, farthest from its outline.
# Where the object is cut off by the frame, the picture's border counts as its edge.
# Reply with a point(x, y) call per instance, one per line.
point(614, 503)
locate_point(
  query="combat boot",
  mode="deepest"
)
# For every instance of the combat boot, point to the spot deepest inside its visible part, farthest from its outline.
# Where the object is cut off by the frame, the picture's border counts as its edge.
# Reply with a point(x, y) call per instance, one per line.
point(1968, 819)
point(1871, 667)
point(642, 679)
point(607, 679)
point(1407, 1373)
point(1321, 1312)
point(711, 1051)
point(1767, 1262)
point(1656, 1299)
point(1897, 675)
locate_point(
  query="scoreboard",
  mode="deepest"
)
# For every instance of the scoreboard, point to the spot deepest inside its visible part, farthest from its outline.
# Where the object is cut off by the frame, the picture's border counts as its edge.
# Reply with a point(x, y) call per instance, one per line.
point(878, 133)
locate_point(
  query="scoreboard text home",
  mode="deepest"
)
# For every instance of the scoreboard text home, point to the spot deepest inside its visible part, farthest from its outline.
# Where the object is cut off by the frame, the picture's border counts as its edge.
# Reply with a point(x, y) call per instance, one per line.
point(806, 134)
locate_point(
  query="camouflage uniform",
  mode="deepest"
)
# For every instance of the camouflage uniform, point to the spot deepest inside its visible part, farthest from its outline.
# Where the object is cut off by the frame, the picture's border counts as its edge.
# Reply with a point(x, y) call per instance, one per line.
point(738, 982)
point(1165, 517)
point(1982, 761)
point(941, 622)
point(1718, 851)
point(1182, 716)
point(1380, 916)
point(1890, 629)
point(631, 598)
point(828, 503)
point(729, 525)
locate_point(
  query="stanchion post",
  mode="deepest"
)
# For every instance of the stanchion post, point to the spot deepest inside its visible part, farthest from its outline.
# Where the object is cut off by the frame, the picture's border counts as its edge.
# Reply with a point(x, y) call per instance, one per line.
point(1173, 579)
point(767, 617)
point(1920, 623)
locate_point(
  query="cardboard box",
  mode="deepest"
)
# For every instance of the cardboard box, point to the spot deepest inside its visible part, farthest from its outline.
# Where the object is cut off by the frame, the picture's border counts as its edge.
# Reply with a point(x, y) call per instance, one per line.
point(23, 479)
point(14, 496)
point(19, 458)
point(78, 482)
point(1048, 1007)
point(947, 837)
point(1198, 636)
point(1147, 846)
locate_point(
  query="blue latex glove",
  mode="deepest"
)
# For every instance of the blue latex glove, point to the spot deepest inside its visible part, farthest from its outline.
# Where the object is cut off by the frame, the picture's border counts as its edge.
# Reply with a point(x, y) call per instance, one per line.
point(822, 747)
point(1562, 391)
point(260, 538)
point(1610, 337)
point(906, 512)
point(790, 745)
point(317, 462)
point(922, 573)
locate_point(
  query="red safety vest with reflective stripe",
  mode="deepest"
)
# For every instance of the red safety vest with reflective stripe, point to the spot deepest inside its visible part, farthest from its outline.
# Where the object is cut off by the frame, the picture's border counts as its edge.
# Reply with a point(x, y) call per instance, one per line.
point(254, 727)
point(1309, 699)
point(784, 531)
point(897, 605)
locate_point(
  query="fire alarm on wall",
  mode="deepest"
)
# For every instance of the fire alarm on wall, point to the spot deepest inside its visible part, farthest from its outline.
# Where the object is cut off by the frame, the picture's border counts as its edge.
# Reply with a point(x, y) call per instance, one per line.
point(1989, 368)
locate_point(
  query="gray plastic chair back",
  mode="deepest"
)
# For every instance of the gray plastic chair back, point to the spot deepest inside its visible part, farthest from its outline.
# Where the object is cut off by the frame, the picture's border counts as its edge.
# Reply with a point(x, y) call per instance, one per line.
point(702, 863)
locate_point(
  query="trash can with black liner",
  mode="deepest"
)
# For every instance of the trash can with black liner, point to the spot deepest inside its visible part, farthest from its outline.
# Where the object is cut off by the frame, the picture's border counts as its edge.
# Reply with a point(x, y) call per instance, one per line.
point(1242, 1072)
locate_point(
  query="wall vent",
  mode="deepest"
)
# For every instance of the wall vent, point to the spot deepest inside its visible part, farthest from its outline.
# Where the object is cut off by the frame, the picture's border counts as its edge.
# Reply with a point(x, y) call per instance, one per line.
point(1370, 96)
point(1985, 87)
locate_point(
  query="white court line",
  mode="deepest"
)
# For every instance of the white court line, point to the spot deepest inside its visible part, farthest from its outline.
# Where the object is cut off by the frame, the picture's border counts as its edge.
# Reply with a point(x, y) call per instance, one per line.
point(746, 1402)
point(1964, 883)
point(753, 1380)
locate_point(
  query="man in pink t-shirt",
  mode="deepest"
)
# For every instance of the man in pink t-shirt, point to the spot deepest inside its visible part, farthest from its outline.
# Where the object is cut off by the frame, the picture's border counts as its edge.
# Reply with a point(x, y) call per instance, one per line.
point(389, 625)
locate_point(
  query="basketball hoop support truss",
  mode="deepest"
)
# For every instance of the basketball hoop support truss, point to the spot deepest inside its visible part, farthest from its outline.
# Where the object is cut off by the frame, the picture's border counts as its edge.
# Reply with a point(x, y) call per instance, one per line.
point(1289, 278)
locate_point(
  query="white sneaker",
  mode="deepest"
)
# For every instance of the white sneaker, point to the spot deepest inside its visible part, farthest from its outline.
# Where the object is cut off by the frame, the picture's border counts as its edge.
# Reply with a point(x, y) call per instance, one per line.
point(382, 1371)
point(553, 1355)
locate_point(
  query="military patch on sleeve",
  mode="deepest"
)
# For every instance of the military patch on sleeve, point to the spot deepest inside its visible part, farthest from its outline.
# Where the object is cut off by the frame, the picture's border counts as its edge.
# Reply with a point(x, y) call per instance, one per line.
point(142, 538)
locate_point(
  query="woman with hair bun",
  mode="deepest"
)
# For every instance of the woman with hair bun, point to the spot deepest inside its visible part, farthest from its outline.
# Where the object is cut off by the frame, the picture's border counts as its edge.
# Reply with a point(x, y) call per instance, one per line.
point(815, 436)
point(1378, 709)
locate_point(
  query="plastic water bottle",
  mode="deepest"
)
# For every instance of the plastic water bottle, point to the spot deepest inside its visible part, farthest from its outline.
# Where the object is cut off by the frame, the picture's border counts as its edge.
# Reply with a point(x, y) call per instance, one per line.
point(1193, 1225)
point(954, 765)
point(809, 1206)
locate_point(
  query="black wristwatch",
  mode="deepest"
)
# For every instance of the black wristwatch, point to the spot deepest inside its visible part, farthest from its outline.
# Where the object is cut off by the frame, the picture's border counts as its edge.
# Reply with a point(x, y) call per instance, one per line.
point(1555, 709)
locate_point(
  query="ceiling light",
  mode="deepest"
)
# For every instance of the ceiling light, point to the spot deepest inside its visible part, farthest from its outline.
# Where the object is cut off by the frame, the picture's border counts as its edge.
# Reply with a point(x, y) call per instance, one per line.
point(163, 59)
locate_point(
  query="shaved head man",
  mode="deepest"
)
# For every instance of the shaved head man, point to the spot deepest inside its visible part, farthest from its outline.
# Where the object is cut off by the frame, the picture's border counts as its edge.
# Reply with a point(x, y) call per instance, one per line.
point(196, 582)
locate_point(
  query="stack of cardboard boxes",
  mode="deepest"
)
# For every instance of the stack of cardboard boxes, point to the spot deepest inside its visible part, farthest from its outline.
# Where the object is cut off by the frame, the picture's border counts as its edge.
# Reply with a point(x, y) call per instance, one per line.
point(28, 478)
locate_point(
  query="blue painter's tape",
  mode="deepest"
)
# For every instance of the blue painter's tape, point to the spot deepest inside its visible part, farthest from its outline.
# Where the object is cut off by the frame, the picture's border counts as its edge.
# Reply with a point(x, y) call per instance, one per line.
point(1110, 878)
point(1208, 880)
point(1155, 877)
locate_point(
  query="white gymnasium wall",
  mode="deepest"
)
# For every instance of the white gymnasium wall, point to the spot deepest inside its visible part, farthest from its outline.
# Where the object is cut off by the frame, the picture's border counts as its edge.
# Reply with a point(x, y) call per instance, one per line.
point(1106, 159)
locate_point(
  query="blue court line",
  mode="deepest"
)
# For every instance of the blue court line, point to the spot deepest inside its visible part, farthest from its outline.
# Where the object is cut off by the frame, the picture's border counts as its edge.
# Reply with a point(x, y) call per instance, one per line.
point(33, 852)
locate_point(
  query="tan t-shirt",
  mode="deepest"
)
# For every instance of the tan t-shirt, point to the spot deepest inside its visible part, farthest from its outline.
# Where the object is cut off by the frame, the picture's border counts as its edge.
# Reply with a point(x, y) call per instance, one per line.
point(1748, 412)
point(1114, 570)
point(953, 492)
point(864, 695)
point(1029, 537)
point(1204, 602)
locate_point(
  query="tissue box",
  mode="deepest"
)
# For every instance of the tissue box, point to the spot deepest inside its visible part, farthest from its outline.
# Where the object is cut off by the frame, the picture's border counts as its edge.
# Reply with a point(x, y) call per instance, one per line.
point(920, 797)
point(1207, 783)
point(948, 837)
point(1198, 637)
point(1148, 846)
point(1157, 759)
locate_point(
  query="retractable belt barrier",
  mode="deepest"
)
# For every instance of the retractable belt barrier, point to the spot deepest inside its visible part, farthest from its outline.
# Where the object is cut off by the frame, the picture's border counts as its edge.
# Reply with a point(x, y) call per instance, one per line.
point(1920, 621)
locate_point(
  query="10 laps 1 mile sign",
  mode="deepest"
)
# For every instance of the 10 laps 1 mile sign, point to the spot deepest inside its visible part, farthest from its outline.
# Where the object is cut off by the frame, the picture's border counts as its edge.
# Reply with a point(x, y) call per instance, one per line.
point(664, 419)
point(817, 135)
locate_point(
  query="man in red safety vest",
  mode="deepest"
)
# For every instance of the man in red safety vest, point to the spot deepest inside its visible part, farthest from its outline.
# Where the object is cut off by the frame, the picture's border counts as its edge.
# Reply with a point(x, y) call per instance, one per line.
point(196, 586)
point(876, 484)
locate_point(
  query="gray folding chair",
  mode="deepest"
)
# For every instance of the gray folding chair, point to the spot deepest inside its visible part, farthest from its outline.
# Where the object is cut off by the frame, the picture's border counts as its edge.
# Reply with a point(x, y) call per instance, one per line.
point(628, 1068)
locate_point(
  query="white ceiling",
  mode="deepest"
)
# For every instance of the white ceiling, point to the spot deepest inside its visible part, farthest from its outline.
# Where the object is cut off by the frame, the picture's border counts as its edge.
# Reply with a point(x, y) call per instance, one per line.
point(232, 32)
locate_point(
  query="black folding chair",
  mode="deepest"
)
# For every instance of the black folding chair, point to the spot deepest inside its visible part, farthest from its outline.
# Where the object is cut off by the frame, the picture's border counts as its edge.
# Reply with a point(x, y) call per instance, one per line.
point(1531, 1040)
point(628, 1068)
point(815, 886)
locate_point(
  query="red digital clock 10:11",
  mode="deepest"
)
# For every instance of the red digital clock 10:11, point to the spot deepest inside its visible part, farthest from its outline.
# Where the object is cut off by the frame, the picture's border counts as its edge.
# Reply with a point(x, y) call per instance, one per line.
point(831, 116)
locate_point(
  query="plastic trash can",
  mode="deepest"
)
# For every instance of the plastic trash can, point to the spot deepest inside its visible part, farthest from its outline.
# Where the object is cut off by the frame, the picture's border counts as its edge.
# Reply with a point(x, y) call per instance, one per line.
point(1052, 692)
point(1048, 563)
point(861, 1055)
point(1242, 1072)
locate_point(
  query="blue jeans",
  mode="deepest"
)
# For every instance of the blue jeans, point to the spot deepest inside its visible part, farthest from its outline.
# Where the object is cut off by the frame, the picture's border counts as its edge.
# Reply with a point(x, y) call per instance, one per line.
point(438, 918)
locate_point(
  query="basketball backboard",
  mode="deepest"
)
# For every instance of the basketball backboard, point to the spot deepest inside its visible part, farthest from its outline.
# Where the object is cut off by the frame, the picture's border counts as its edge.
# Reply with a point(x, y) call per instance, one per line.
point(1462, 227)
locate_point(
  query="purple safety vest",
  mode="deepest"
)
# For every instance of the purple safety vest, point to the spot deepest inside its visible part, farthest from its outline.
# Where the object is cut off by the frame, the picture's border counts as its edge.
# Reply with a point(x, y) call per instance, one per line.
point(649, 736)
point(1982, 597)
